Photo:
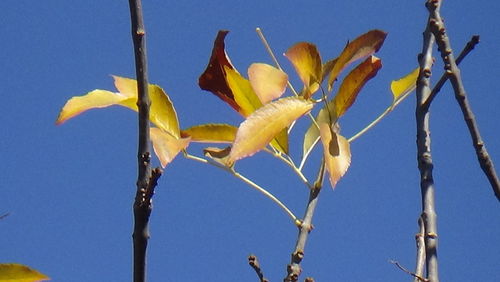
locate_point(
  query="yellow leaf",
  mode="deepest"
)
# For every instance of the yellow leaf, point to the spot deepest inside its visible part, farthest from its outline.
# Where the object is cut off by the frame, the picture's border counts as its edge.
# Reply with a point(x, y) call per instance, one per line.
point(243, 93)
point(211, 133)
point(404, 85)
point(353, 82)
point(307, 63)
point(161, 113)
point(248, 102)
point(337, 153)
point(263, 125)
point(312, 134)
point(363, 46)
point(268, 82)
point(94, 99)
point(166, 146)
point(20, 273)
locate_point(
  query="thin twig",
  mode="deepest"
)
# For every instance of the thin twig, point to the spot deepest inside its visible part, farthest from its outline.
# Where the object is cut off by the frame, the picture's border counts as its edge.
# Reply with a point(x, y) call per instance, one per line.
point(424, 156)
point(254, 263)
point(294, 269)
point(146, 180)
point(247, 181)
point(417, 277)
point(452, 70)
point(467, 49)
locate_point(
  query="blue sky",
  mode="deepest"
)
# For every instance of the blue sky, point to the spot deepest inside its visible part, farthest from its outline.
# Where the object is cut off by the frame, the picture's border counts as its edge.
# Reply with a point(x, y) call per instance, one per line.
point(69, 189)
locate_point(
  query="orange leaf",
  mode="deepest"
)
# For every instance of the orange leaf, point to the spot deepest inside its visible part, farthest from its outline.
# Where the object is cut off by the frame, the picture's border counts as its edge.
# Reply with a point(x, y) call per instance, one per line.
point(213, 79)
point(166, 146)
point(268, 82)
point(336, 151)
point(307, 63)
point(353, 82)
point(361, 47)
point(265, 123)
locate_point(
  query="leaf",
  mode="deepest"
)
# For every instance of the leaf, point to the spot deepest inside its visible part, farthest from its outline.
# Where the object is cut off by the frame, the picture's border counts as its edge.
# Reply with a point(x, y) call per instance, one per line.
point(166, 146)
point(94, 99)
point(268, 82)
point(404, 85)
point(161, 113)
point(337, 153)
point(307, 63)
point(243, 92)
point(353, 83)
point(213, 79)
point(263, 125)
point(363, 46)
point(20, 273)
point(217, 154)
point(211, 133)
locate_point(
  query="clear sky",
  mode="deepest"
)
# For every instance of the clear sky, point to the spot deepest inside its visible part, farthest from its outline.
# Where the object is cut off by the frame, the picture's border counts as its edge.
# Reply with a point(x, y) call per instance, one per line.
point(69, 189)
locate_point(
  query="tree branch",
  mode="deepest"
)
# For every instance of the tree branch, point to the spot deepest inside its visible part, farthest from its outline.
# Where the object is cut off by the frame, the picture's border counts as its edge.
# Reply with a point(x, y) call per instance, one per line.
point(254, 263)
point(438, 29)
point(424, 157)
point(146, 179)
point(294, 269)
point(420, 241)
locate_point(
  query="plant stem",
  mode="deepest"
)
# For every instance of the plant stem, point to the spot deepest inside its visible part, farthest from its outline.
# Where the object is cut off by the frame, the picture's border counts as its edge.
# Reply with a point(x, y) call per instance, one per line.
point(247, 181)
point(438, 29)
point(146, 179)
point(424, 157)
point(294, 269)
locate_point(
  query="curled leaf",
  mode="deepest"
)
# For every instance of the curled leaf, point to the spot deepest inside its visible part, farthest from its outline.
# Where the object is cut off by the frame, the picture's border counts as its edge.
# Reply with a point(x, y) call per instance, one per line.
point(268, 82)
point(20, 273)
point(166, 146)
point(404, 85)
point(306, 60)
point(211, 133)
point(265, 123)
point(363, 46)
point(337, 153)
point(213, 79)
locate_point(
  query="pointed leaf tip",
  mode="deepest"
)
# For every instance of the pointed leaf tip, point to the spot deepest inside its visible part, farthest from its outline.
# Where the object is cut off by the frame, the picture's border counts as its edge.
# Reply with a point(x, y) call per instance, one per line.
point(20, 273)
point(404, 85)
point(361, 47)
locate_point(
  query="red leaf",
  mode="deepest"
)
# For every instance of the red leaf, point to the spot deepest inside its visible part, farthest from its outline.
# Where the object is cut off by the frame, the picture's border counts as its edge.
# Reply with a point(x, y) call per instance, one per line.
point(213, 79)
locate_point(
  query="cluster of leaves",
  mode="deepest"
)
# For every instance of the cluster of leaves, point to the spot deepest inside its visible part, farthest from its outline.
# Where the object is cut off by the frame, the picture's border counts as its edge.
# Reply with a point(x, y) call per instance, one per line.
point(259, 99)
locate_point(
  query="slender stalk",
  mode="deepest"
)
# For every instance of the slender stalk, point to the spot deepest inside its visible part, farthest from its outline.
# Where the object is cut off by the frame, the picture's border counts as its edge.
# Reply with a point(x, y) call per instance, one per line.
point(249, 182)
point(254, 263)
point(452, 70)
point(146, 179)
point(424, 157)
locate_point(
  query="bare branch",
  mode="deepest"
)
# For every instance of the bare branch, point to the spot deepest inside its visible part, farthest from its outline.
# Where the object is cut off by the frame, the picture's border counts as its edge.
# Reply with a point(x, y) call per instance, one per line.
point(420, 241)
point(294, 269)
point(254, 263)
point(424, 156)
point(453, 72)
point(146, 179)
point(467, 49)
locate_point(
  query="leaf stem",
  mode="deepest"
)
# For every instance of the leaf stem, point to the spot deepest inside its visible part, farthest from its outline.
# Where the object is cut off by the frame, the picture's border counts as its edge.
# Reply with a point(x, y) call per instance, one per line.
point(247, 181)
point(270, 52)
point(287, 160)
